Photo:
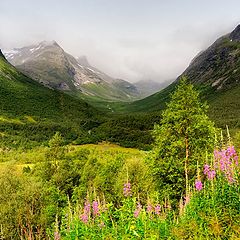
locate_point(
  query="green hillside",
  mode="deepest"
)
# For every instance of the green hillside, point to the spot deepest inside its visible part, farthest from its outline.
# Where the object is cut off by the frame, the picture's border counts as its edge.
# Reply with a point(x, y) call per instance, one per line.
point(224, 106)
point(28, 109)
point(152, 103)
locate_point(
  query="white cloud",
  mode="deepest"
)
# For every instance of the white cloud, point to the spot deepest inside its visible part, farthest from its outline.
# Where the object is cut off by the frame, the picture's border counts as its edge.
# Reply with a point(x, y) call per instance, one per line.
point(127, 39)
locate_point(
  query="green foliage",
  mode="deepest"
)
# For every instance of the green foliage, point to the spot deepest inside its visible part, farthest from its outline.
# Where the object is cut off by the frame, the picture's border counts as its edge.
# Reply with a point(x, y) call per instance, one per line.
point(96, 170)
point(128, 131)
point(31, 200)
point(182, 139)
point(45, 185)
point(237, 139)
point(27, 206)
point(211, 212)
point(56, 150)
point(56, 141)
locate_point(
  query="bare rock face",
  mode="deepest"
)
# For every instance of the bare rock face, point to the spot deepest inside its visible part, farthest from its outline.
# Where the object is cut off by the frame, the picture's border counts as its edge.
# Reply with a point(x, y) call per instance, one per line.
point(235, 34)
point(63, 86)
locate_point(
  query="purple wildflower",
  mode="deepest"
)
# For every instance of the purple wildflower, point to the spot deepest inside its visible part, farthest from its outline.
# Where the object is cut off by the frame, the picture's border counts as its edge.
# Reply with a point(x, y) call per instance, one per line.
point(84, 218)
point(198, 185)
point(157, 209)
point(127, 190)
point(206, 169)
point(137, 211)
point(86, 212)
point(95, 207)
point(211, 174)
point(87, 207)
point(149, 208)
point(225, 161)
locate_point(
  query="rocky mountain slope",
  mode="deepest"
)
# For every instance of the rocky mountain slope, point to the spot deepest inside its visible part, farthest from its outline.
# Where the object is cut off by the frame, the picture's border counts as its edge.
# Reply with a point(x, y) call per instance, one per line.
point(50, 65)
point(219, 65)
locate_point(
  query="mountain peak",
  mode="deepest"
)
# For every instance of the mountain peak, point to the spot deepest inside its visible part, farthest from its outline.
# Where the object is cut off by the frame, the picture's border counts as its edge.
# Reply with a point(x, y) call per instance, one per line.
point(49, 43)
point(235, 34)
point(82, 60)
point(48, 64)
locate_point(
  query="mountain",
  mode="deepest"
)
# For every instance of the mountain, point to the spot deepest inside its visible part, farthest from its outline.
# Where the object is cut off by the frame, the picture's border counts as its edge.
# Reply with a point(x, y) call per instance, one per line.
point(50, 65)
point(219, 65)
point(31, 113)
point(149, 87)
point(216, 73)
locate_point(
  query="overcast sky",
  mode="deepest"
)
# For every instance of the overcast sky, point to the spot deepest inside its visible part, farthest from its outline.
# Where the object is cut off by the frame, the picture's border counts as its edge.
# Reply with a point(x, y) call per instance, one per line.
point(130, 39)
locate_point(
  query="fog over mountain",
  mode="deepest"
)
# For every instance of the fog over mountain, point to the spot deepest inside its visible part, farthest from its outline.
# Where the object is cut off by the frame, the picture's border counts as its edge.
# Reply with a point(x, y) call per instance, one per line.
point(133, 40)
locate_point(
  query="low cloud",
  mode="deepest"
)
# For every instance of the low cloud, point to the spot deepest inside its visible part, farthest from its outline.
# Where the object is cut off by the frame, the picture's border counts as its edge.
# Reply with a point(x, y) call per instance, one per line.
point(129, 40)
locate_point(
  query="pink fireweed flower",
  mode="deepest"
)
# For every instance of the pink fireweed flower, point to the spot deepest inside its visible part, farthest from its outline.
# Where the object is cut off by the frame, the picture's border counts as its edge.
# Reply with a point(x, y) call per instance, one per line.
point(84, 218)
point(231, 151)
point(87, 207)
point(211, 174)
point(198, 185)
point(206, 169)
point(157, 209)
point(127, 190)
point(149, 208)
point(95, 208)
point(137, 211)
point(226, 161)
point(86, 212)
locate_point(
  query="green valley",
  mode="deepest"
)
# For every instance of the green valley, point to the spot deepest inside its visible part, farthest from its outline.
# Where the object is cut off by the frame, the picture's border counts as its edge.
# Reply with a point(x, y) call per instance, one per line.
point(88, 155)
